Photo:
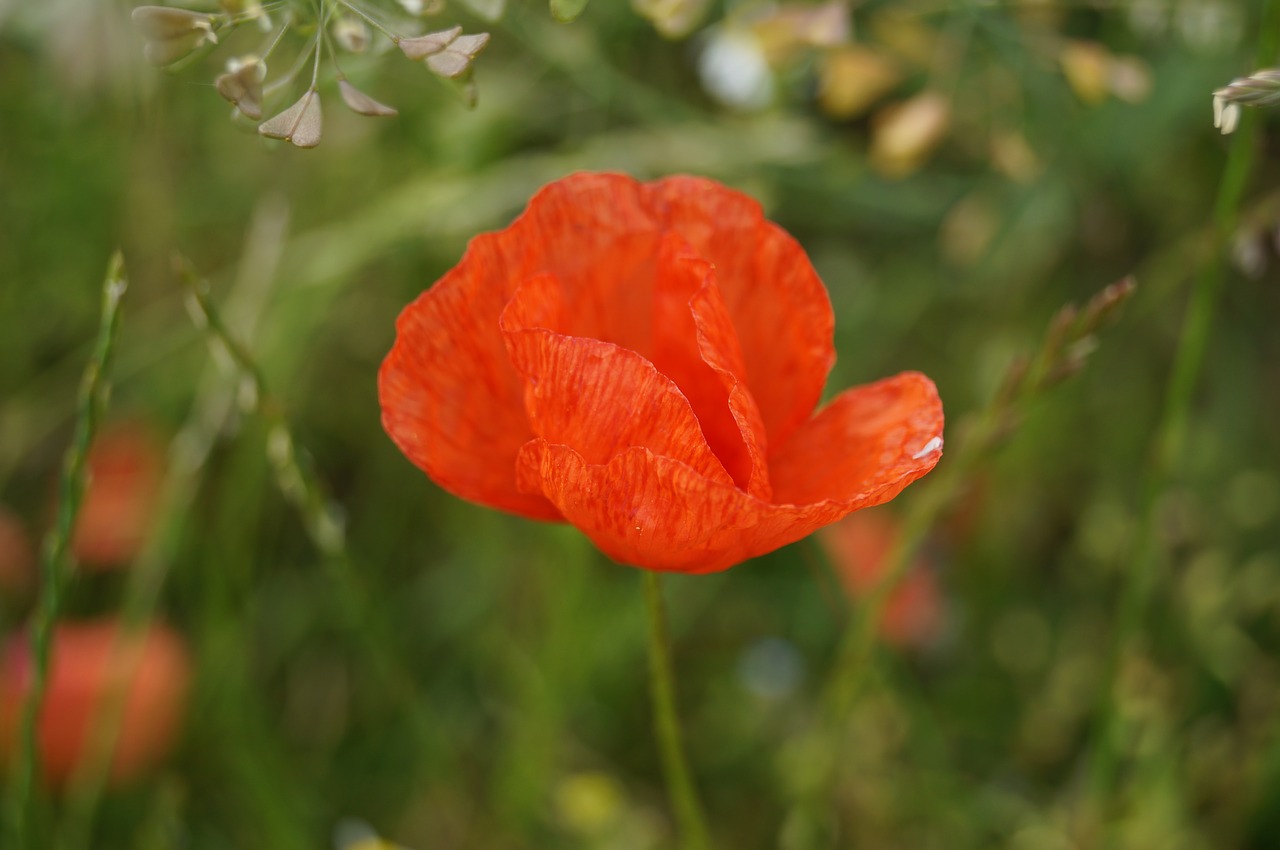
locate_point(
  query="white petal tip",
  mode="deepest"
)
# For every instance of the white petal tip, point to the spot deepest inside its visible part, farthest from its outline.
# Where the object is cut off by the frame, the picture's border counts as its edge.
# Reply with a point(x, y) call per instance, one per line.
point(929, 448)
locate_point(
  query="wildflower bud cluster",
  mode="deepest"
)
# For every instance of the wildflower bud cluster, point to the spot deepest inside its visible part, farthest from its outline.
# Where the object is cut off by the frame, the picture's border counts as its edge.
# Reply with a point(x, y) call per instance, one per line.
point(326, 29)
point(1261, 88)
point(1068, 342)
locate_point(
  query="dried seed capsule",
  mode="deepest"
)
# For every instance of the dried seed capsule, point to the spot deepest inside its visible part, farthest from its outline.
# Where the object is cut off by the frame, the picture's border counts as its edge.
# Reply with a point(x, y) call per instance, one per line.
point(299, 125)
point(172, 33)
point(242, 85)
point(457, 56)
point(360, 102)
point(423, 46)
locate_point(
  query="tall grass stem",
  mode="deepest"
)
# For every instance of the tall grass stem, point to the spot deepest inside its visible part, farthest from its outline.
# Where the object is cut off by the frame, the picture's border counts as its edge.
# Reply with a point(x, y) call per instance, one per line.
point(1170, 440)
point(213, 403)
point(1025, 380)
point(323, 519)
point(56, 561)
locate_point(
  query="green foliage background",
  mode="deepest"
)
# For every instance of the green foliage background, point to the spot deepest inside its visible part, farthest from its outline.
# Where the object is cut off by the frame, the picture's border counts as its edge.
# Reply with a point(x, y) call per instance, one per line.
point(519, 716)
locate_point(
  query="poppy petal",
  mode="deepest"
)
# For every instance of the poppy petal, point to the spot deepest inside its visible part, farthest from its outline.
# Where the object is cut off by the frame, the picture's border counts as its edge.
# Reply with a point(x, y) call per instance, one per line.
point(595, 234)
point(594, 396)
point(695, 345)
point(778, 303)
point(869, 441)
point(644, 510)
point(657, 513)
point(450, 399)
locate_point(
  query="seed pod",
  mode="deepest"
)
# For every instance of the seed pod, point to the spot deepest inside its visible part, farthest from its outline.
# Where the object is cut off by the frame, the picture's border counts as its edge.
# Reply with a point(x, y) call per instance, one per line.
point(299, 125)
point(456, 57)
point(171, 33)
point(360, 102)
point(423, 46)
point(242, 85)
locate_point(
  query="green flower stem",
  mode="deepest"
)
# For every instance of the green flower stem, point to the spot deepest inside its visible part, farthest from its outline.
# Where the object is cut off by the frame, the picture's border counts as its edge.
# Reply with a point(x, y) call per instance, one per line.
point(1169, 445)
point(56, 562)
point(214, 401)
point(666, 723)
point(323, 519)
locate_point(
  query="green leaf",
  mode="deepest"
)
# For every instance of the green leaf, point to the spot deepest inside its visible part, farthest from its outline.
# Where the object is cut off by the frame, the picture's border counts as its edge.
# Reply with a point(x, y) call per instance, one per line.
point(567, 10)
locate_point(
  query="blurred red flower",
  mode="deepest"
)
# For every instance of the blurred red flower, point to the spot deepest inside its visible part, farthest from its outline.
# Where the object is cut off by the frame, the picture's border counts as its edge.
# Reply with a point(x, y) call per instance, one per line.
point(859, 547)
point(126, 465)
point(85, 662)
point(17, 557)
point(643, 360)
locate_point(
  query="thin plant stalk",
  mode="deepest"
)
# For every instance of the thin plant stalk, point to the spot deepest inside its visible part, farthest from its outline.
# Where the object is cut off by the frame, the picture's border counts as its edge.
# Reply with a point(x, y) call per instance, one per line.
point(322, 517)
point(1063, 352)
point(855, 657)
point(189, 450)
point(1067, 343)
point(666, 723)
point(56, 562)
point(371, 21)
point(1169, 443)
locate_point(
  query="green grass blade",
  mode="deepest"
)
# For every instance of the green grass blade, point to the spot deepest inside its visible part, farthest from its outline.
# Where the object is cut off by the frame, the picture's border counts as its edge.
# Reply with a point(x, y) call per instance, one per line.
point(56, 562)
point(323, 518)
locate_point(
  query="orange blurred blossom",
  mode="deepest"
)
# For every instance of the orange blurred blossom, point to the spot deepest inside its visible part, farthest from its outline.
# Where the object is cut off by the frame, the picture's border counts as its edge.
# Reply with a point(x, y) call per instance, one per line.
point(87, 664)
point(859, 547)
point(126, 464)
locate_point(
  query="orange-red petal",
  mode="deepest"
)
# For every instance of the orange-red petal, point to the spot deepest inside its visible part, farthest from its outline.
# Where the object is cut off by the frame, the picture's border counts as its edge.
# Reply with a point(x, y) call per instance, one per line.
point(696, 346)
point(645, 510)
point(596, 397)
point(596, 235)
point(651, 511)
point(450, 398)
point(776, 300)
point(877, 437)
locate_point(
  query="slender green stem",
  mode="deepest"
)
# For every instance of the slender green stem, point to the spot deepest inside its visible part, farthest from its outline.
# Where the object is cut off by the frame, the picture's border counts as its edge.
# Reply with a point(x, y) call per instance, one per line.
point(323, 13)
point(214, 400)
point(1058, 357)
point(142, 596)
point(56, 562)
point(855, 657)
point(295, 69)
point(275, 40)
point(373, 22)
point(1169, 444)
point(666, 723)
point(324, 520)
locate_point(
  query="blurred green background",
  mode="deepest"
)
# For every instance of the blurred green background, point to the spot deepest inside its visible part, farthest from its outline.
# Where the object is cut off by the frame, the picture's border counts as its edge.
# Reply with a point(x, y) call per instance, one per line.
point(479, 681)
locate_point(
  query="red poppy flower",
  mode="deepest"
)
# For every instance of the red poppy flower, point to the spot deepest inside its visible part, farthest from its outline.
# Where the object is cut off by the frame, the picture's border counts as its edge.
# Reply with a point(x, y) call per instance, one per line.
point(643, 360)
point(87, 662)
point(17, 557)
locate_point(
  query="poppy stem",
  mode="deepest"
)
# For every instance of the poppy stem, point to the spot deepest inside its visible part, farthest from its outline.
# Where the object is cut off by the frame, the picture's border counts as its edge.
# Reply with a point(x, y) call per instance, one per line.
point(666, 722)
